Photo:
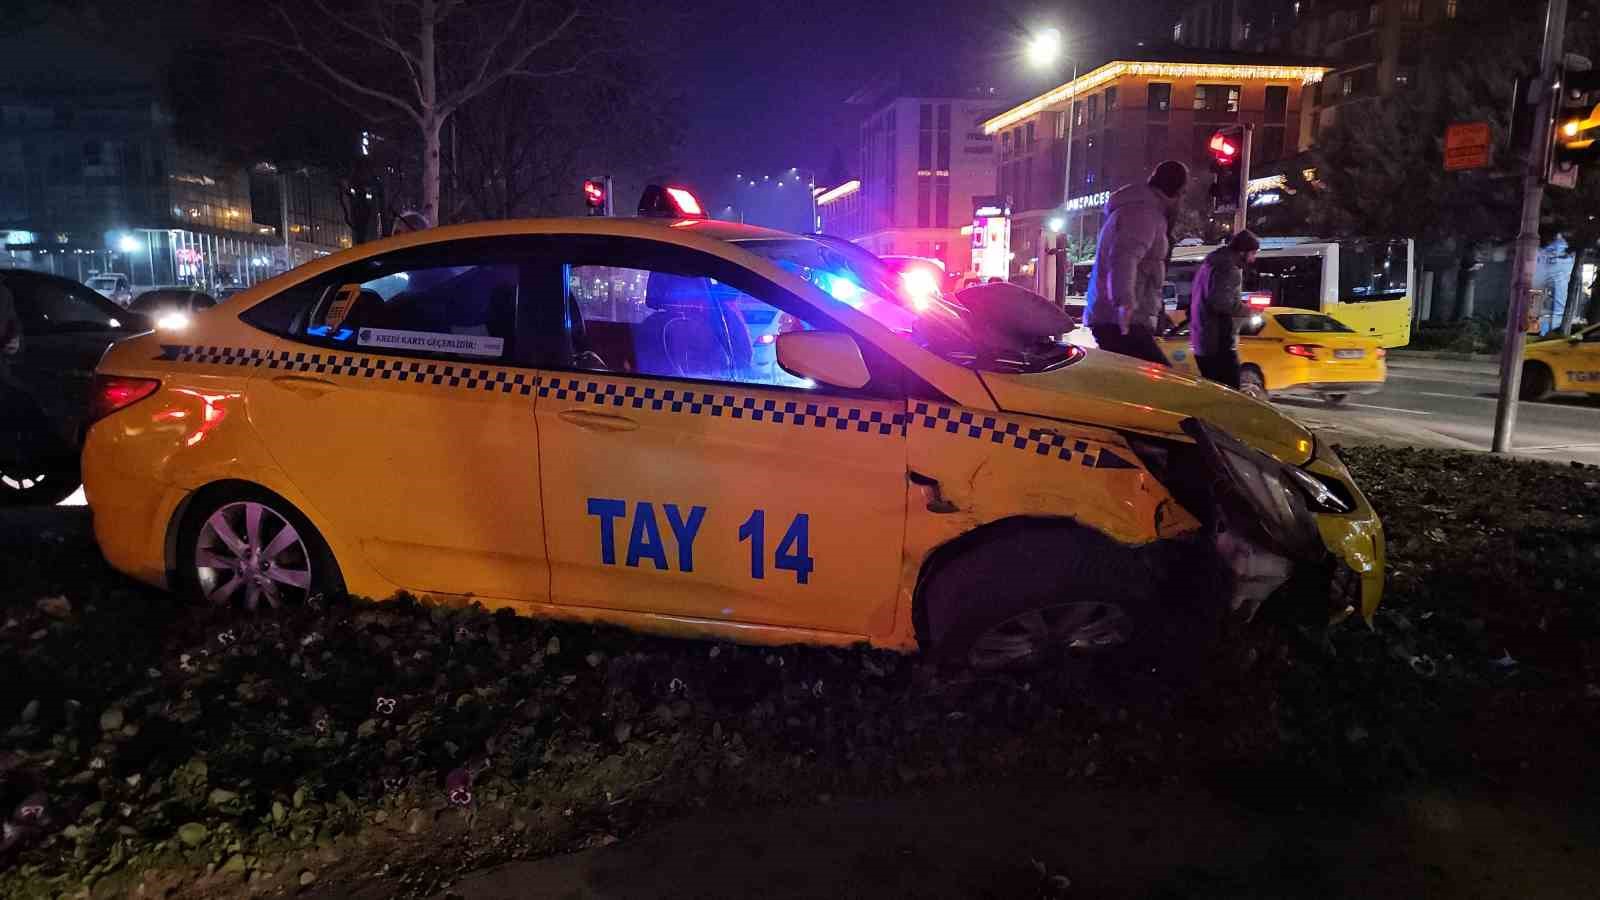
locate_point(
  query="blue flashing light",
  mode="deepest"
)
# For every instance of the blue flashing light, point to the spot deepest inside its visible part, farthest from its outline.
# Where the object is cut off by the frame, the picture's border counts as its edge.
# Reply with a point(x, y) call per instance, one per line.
point(840, 288)
point(318, 330)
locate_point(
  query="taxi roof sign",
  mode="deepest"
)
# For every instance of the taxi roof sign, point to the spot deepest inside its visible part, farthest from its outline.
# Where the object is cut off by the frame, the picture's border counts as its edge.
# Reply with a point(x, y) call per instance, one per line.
point(670, 202)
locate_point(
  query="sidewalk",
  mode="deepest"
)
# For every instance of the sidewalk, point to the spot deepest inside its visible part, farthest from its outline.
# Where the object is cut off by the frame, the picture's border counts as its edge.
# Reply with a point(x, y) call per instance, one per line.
point(1459, 363)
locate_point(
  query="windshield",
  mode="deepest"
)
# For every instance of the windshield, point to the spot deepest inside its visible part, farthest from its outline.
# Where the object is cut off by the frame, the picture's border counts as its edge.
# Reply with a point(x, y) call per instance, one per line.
point(158, 300)
point(1306, 323)
point(103, 282)
point(910, 307)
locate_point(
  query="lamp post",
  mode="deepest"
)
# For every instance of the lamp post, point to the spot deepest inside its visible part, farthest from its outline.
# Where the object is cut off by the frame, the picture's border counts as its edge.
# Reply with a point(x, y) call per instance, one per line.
point(811, 189)
point(1044, 51)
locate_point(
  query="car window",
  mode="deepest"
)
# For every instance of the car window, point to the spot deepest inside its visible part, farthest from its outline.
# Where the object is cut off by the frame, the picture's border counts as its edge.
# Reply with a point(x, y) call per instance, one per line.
point(1293, 281)
point(679, 326)
point(51, 306)
point(1370, 271)
point(464, 311)
point(1252, 326)
point(1307, 323)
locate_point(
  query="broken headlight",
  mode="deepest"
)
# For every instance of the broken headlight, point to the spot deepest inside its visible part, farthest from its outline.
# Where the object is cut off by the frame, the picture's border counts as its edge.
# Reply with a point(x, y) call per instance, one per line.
point(1278, 499)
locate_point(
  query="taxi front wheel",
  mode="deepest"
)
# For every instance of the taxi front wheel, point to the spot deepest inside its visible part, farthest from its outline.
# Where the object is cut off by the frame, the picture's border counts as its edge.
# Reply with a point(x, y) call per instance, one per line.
point(241, 546)
point(1029, 593)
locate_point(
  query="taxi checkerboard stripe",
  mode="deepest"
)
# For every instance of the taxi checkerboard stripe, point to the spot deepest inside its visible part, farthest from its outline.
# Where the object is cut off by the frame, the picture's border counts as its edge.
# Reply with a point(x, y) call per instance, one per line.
point(981, 426)
point(778, 412)
point(949, 420)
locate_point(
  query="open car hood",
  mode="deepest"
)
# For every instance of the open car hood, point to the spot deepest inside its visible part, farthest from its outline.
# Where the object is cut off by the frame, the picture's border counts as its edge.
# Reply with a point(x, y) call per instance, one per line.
point(1115, 391)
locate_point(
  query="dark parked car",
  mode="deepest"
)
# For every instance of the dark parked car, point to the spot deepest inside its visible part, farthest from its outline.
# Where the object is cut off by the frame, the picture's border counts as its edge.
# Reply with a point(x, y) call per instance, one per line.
point(170, 309)
point(45, 381)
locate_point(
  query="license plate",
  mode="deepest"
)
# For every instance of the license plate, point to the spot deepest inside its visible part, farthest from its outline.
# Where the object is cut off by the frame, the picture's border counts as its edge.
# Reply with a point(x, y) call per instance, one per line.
point(1349, 354)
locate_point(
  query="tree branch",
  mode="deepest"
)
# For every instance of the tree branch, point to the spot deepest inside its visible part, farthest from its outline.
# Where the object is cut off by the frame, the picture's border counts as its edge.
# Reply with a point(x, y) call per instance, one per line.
point(299, 48)
point(484, 81)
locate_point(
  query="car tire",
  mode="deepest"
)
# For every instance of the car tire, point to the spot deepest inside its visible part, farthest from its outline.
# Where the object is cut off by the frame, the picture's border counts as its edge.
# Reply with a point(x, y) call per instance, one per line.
point(252, 569)
point(1251, 384)
point(1031, 592)
point(36, 469)
point(1335, 399)
point(1538, 382)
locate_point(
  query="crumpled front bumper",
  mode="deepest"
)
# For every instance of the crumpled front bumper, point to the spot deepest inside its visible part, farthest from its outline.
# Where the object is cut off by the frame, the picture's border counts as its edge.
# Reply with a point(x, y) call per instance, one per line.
point(1355, 541)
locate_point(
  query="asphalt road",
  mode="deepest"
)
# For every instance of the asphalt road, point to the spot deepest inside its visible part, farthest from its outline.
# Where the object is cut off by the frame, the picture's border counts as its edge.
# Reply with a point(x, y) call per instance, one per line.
point(1445, 403)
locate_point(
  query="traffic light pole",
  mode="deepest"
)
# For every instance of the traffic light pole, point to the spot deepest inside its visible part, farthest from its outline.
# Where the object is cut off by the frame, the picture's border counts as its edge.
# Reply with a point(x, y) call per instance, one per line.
point(1522, 269)
point(1241, 216)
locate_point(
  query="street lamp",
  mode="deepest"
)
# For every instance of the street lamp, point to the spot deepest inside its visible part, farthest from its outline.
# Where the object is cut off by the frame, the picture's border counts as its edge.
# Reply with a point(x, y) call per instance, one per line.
point(811, 187)
point(1043, 51)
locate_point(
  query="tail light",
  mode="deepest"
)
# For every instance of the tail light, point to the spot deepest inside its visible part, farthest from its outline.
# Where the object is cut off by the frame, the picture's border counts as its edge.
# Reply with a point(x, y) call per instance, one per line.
point(1304, 351)
point(113, 392)
point(1258, 301)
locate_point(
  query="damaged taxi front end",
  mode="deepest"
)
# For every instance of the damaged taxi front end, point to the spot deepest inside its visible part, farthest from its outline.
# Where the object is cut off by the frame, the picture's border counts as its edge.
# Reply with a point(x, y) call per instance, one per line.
point(1277, 510)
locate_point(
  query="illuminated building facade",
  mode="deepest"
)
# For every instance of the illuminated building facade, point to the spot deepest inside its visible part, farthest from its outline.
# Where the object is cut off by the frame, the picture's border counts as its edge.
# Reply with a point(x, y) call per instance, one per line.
point(1120, 119)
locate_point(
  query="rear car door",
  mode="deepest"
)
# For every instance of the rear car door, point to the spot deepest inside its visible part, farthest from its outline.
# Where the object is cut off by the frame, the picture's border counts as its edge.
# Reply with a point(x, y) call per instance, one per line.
point(396, 402)
point(66, 328)
point(686, 474)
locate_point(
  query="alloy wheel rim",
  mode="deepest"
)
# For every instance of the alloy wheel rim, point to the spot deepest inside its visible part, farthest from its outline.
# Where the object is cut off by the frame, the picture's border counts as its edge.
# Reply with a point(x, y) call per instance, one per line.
point(247, 553)
point(12, 481)
point(1081, 626)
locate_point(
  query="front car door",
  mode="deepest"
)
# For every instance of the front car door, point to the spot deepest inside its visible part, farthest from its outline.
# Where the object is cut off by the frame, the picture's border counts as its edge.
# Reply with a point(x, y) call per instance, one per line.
point(396, 402)
point(687, 475)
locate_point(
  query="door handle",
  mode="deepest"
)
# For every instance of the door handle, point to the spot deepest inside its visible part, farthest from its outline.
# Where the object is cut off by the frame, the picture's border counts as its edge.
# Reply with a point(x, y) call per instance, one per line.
point(301, 384)
point(596, 421)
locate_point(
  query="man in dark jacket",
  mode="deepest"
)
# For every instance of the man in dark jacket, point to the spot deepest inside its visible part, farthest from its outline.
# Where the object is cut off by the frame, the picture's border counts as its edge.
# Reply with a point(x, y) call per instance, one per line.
point(1215, 308)
point(1130, 265)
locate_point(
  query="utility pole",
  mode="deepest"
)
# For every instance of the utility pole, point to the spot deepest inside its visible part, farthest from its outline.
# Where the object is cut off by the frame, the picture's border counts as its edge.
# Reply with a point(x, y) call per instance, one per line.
point(1241, 216)
point(1533, 180)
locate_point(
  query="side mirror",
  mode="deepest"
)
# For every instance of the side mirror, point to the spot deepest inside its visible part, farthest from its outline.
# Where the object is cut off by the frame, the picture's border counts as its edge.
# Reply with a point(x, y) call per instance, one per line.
point(828, 357)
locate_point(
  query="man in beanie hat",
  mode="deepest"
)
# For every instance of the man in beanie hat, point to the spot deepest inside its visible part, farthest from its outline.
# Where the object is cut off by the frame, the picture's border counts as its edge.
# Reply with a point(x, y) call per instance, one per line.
point(1130, 265)
point(1215, 308)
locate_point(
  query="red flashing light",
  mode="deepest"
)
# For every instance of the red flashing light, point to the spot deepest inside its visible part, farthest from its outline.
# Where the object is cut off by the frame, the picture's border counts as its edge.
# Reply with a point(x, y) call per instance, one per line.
point(1304, 351)
point(686, 202)
point(113, 392)
point(594, 194)
point(1224, 149)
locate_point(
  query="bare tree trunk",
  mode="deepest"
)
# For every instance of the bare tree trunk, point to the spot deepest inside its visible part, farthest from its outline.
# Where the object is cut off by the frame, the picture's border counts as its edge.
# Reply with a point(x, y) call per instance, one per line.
point(428, 78)
point(1467, 283)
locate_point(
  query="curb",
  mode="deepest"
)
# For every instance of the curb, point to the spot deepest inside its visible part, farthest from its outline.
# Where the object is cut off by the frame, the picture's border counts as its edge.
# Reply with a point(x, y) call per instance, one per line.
point(1445, 354)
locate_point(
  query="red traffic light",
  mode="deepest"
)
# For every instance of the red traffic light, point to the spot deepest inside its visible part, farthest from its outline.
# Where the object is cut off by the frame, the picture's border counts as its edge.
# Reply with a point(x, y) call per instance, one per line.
point(1223, 147)
point(594, 194)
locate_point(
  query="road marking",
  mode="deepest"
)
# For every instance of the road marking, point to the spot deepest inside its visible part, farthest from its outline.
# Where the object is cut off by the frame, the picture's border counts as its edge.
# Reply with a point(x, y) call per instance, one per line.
point(1409, 412)
point(1459, 396)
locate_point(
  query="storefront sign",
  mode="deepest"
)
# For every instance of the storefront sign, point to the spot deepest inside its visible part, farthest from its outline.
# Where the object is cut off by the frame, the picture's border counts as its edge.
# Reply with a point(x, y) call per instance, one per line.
point(1088, 201)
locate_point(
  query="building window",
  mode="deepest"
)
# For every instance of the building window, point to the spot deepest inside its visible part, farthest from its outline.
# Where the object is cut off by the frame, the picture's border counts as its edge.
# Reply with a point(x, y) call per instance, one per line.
point(1177, 33)
point(1347, 85)
point(1156, 144)
point(1402, 78)
point(1272, 143)
point(943, 144)
point(1411, 10)
point(1451, 7)
point(1374, 15)
point(1158, 100)
point(924, 188)
point(1077, 114)
point(1061, 126)
point(1111, 100)
point(941, 201)
point(1277, 103)
point(1092, 105)
point(1032, 137)
point(1216, 101)
point(925, 138)
point(1005, 145)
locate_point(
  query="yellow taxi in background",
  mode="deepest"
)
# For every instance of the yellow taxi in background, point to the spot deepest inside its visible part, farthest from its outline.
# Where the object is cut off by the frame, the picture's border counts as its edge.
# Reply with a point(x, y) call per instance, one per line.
point(1562, 363)
point(1287, 352)
point(575, 418)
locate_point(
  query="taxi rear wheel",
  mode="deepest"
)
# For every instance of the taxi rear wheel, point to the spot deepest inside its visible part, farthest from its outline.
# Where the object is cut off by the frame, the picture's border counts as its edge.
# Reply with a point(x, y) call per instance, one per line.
point(1034, 592)
point(1537, 381)
point(1335, 399)
point(247, 548)
point(1252, 384)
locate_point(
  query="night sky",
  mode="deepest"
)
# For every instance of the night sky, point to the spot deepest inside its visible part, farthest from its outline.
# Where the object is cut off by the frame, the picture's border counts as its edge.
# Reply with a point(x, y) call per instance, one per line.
point(767, 82)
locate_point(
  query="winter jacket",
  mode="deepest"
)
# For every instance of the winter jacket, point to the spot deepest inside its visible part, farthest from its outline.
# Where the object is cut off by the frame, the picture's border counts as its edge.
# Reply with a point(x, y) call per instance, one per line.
point(1215, 305)
point(1130, 263)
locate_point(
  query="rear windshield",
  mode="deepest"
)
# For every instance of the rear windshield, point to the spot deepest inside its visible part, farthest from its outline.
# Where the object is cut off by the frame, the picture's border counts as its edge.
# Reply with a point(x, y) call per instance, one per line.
point(1306, 323)
point(1294, 281)
point(158, 300)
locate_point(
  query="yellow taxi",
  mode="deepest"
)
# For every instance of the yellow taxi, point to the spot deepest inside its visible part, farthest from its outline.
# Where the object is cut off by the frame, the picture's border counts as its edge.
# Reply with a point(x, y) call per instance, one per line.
point(1562, 363)
point(702, 429)
point(1288, 352)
